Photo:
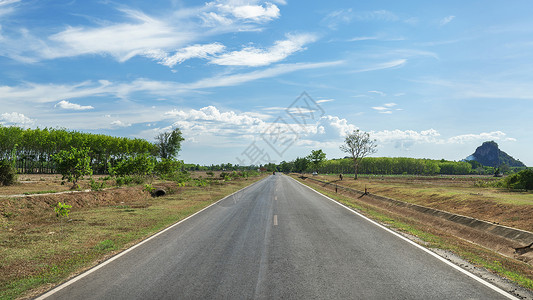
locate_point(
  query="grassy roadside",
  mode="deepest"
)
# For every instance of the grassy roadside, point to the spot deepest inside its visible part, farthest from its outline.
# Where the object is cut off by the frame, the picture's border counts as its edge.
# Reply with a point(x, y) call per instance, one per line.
point(514, 270)
point(38, 250)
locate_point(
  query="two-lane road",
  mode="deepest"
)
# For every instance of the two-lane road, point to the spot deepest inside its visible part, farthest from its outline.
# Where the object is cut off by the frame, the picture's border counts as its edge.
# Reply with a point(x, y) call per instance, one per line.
point(276, 239)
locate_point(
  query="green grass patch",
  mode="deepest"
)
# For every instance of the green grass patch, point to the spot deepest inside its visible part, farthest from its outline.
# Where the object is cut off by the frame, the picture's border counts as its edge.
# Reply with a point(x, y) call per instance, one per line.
point(40, 192)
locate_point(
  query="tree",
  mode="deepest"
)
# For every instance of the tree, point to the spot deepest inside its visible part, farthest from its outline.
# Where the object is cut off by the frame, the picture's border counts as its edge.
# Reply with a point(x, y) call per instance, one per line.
point(316, 158)
point(358, 144)
point(73, 164)
point(169, 143)
point(301, 164)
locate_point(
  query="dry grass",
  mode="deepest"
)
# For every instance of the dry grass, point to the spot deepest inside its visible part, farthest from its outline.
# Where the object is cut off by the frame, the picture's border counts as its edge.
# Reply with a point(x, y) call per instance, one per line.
point(455, 194)
point(39, 250)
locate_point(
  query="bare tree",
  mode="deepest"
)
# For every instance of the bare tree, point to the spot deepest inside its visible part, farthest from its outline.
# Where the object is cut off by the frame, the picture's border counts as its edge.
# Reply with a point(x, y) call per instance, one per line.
point(358, 144)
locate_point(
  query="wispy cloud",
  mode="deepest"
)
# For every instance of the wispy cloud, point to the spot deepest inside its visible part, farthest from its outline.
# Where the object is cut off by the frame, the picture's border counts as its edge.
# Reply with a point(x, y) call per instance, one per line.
point(378, 93)
point(386, 108)
point(72, 106)
point(446, 20)
point(251, 56)
point(142, 34)
point(380, 66)
point(194, 51)
point(337, 18)
point(43, 93)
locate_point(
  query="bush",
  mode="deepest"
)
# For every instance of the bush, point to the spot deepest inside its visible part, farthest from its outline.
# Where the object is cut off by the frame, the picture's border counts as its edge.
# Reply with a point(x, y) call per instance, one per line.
point(522, 180)
point(140, 165)
point(95, 186)
point(168, 167)
point(62, 210)
point(8, 175)
point(127, 180)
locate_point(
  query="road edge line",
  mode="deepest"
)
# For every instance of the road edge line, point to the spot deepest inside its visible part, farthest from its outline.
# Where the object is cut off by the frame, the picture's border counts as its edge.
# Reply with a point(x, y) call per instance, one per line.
point(469, 274)
point(111, 259)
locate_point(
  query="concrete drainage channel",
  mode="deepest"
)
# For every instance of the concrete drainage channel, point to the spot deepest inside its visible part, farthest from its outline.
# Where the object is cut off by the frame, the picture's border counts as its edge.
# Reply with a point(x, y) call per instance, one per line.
point(506, 240)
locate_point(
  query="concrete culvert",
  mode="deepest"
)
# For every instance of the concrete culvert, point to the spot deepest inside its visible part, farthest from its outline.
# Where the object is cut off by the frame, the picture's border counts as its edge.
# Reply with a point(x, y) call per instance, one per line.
point(158, 193)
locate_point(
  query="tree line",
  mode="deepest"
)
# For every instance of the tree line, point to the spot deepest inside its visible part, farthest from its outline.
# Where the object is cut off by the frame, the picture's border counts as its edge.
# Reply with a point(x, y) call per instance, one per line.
point(32, 150)
point(379, 166)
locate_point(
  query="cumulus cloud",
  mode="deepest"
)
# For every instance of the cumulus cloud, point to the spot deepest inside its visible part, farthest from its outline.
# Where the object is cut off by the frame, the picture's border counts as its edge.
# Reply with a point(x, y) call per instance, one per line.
point(334, 127)
point(484, 136)
point(405, 139)
point(16, 118)
point(252, 56)
point(72, 106)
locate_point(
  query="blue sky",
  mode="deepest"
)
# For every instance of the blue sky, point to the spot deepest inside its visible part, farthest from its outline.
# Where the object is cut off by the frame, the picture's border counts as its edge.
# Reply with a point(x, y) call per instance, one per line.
point(425, 79)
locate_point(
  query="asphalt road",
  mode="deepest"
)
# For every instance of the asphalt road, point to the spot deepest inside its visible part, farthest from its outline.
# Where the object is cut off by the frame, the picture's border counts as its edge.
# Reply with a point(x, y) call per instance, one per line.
point(276, 239)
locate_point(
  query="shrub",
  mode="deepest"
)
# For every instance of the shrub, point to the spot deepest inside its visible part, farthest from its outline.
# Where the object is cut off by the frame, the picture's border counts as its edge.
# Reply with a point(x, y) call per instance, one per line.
point(168, 167)
point(8, 175)
point(62, 209)
point(95, 186)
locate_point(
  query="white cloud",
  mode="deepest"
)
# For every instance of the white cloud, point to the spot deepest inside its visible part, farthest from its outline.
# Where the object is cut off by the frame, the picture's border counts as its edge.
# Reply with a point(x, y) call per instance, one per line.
point(122, 41)
point(325, 100)
point(404, 139)
point(256, 13)
point(386, 108)
point(16, 118)
point(119, 123)
point(141, 34)
point(194, 51)
point(333, 127)
point(251, 56)
point(378, 92)
point(484, 136)
point(72, 106)
point(446, 20)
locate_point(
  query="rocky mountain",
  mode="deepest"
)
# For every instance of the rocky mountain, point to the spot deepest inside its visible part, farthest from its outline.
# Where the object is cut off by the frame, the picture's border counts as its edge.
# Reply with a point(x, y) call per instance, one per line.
point(488, 154)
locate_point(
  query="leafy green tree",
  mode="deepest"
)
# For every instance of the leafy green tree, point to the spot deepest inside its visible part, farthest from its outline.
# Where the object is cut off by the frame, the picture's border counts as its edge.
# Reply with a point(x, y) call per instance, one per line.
point(358, 144)
point(169, 143)
point(140, 165)
point(522, 180)
point(316, 158)
point(301, 164)
point(73, 164)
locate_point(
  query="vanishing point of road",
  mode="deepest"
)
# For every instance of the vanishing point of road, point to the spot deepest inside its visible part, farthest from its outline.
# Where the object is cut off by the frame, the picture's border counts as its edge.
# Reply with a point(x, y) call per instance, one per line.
point(276, 239)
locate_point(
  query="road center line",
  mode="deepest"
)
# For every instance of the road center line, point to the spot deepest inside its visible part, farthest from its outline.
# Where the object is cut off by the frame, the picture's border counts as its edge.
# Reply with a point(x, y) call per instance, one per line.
point(275, 197)
point(275, 220)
